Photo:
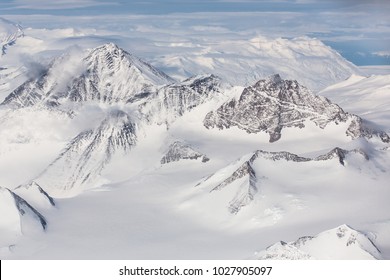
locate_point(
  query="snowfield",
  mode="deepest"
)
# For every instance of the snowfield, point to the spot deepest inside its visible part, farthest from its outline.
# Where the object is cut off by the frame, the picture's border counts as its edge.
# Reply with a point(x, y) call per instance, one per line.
point(105, 156)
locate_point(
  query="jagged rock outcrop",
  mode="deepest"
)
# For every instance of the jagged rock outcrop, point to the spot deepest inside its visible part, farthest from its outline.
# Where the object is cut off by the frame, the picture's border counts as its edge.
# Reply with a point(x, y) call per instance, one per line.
point(79, 165)
point(341, 155)
point(179, 151)
point(107, 74)
point(273, 104)
point(342, 242)
point(360, 128)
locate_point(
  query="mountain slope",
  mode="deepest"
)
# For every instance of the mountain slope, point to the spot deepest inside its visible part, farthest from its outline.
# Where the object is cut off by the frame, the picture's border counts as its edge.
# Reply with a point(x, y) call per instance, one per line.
point(18, 215)
point(107, 74)
point(243, 62)
point(179, 151)
point(368, 97)
point(339, 243)
point(273, 104)
point(79, 165)
point(240, 181)
point(9, 33)
point(172, 101)
point(35, 195)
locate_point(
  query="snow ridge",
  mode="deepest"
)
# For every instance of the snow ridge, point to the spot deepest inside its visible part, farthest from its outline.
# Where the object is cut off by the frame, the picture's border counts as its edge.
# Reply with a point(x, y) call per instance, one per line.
point(342, 242)
point(20, 212)
point(247, 174)
point(9, 33)
point(35, 194)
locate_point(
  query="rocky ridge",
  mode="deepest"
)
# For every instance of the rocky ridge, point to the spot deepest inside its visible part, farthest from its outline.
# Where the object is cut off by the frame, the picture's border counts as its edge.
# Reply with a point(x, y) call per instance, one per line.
point(249, 177)
point(273, 104)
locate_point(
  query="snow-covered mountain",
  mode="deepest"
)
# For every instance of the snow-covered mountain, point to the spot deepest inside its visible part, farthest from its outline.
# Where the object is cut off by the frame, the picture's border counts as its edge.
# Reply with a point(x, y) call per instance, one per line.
point(189, 157)
point(79, 165)
point(246, 175)
point(11, 76)
point(107, 74)
point(179, 150)
point(243, 62)
point(273, 104)
point(339, 243)
point(172, 101)
point(9, 33)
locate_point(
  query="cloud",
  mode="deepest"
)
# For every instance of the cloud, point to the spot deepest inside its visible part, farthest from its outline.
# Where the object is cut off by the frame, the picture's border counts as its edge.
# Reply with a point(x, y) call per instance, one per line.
point(57, 5)
point(382, 53)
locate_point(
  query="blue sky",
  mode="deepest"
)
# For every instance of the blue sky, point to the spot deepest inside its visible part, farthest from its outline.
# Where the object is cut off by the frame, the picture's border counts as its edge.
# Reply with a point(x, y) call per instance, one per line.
point(358, 29)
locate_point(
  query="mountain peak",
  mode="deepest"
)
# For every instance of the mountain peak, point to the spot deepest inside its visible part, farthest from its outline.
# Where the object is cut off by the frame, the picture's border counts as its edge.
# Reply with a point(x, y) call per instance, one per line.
point(107, 74)
point(179, 151)
point(274, 79)
point(9, 32)
point(107, 53)
point(272, 104)
point(87, 154)
point(342, 242)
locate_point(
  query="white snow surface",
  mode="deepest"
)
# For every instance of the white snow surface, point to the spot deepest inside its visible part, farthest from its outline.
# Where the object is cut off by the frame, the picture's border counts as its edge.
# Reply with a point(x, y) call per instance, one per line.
point(368, 97)
point(339, 243)
point(35, 195)
point(243, 62)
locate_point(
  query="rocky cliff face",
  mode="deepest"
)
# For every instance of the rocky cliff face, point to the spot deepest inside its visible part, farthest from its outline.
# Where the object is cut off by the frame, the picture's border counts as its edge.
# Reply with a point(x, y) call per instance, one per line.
point(273, 104)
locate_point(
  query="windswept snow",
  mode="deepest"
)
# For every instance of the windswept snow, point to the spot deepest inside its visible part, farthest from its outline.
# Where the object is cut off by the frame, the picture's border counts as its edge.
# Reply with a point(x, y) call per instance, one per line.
point(368, 97)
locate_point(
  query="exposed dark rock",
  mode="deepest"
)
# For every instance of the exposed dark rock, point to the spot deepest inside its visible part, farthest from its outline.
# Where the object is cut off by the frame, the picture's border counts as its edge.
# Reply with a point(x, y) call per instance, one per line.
point(178, 151)
point(273, 104)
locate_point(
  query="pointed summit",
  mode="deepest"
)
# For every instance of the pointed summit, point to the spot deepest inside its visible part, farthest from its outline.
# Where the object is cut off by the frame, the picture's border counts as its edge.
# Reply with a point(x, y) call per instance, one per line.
point(78, 167)
point(107, 74)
